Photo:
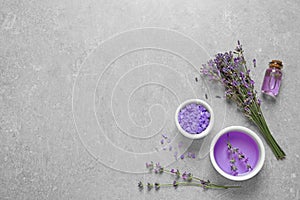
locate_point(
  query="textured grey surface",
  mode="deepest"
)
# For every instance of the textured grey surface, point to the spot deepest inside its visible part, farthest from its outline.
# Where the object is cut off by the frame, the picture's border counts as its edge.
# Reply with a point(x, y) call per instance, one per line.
point(52, 55)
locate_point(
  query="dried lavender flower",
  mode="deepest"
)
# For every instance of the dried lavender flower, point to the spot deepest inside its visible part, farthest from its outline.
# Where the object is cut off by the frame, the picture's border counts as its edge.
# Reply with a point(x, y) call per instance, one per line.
point(235, 153)
point(187, 177)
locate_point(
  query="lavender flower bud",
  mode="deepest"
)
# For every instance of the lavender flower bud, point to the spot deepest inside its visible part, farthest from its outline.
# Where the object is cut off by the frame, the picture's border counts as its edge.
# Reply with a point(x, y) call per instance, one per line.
point(140, 185)
point(157, 186)
point(175, 184)
point(149, 186)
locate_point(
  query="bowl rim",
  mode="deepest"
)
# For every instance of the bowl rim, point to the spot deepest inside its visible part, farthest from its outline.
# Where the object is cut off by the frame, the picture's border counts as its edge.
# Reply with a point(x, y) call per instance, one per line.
point(259, 143)
point(208, 128)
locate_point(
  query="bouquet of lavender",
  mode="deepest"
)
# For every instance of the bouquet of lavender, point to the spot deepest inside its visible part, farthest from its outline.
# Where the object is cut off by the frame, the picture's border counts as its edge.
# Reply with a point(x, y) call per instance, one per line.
point(231, 71)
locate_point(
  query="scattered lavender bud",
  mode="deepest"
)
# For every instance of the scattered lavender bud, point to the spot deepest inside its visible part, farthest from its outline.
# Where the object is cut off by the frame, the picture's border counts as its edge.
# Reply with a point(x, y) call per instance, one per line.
point(182, 157)
point(189, 154)
point(169, 140)
point(175, 154)
point(170, 148)
point(196, 79)
point(164, 148)
point(206, 96)
point(162, 141)
point(193, 155)
point(164, 136)
point(180, 144)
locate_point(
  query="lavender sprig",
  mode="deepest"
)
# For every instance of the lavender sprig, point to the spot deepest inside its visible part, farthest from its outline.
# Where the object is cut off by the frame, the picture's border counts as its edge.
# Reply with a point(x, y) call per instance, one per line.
point(231, 71)
point(188, 178)
point(175, 184)
point(234, 153)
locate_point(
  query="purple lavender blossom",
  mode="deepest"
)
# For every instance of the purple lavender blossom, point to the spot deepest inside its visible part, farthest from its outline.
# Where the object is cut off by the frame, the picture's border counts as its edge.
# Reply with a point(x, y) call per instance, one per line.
point(191, 155)
point(158, 168)
point(184, 176)
point(164, 136)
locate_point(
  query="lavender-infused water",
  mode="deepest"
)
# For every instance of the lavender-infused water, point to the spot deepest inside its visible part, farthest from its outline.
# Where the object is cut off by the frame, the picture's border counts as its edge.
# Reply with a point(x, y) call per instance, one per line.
point(245, 145)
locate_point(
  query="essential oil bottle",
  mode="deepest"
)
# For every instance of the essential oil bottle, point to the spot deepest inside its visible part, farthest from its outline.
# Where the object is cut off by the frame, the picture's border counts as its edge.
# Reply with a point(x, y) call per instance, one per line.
point(272, 78)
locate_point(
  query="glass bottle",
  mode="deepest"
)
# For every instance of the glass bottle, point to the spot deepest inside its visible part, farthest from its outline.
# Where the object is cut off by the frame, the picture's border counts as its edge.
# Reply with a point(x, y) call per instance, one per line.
point(272, 78)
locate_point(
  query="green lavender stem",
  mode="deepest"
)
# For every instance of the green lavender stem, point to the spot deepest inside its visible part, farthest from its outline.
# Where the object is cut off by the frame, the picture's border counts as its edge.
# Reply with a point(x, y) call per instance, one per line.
point(258, 118)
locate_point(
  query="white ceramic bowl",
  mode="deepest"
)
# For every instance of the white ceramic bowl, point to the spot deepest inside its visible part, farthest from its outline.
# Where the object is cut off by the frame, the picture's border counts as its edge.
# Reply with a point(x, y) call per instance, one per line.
point(209, 127)
point(261, 158)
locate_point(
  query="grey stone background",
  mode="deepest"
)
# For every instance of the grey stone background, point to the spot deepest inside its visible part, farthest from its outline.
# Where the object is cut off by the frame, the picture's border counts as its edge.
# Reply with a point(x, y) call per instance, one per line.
point(44, 44)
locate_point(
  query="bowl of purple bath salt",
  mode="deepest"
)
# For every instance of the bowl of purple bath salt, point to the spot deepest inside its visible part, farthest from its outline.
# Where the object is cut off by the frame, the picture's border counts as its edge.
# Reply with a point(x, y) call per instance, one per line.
point(194, 118)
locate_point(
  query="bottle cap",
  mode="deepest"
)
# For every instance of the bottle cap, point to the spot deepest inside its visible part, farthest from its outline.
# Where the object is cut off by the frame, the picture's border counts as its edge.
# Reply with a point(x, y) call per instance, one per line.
point(276, 63)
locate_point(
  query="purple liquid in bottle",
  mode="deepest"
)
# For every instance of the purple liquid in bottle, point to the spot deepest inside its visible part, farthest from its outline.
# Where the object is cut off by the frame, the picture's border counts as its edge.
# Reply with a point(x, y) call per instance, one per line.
point(245, 143)
point(272, 80)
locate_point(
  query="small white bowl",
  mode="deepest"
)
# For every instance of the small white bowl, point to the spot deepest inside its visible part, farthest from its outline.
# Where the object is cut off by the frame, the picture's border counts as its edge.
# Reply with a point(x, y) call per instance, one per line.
point(260, 161)
point(208, 128)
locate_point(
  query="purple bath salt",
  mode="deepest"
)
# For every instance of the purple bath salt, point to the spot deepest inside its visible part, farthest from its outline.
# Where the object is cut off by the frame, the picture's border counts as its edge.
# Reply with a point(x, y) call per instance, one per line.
point(194, 118)
point(245, 143)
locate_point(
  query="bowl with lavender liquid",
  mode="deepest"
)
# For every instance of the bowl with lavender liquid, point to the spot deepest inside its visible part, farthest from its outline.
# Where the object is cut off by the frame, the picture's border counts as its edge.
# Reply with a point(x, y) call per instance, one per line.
point(194, 118)
point(237, 153)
